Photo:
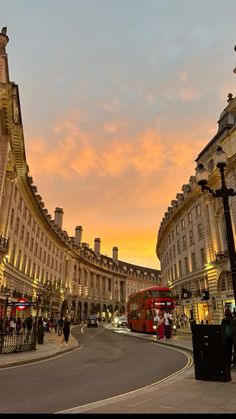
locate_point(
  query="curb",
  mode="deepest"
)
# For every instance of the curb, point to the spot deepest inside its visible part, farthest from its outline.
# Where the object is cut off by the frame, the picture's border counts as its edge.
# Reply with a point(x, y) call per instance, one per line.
point(37, 359)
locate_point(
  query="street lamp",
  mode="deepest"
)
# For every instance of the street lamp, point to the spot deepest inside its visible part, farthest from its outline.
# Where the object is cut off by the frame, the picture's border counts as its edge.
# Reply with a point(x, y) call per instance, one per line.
point(38, 295)
point(224, 193)
point(7, 294)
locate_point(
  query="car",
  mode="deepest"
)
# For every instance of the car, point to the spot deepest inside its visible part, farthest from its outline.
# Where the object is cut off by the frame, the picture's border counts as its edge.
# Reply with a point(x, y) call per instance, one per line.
point(122, 322)
point(92, 321)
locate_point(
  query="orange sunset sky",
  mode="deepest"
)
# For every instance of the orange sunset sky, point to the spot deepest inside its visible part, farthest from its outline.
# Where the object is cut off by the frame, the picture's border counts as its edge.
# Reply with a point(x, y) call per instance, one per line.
point(117, 99)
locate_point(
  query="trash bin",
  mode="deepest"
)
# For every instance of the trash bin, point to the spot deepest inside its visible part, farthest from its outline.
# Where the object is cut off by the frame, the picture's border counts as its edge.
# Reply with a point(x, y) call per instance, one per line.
point(40, 334)
point(210, 353)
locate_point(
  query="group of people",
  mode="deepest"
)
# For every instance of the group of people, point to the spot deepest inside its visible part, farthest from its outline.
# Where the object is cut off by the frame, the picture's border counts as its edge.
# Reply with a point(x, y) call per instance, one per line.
point(26, 326)
point(163, 322)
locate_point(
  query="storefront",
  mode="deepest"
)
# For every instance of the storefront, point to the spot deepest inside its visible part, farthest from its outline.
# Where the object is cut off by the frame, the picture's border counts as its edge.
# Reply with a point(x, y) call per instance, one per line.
point(228, 302)
point(204, 314)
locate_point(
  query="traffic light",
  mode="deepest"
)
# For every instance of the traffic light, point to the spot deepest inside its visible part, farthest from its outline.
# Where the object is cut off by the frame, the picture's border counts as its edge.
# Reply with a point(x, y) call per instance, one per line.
point(205, 295)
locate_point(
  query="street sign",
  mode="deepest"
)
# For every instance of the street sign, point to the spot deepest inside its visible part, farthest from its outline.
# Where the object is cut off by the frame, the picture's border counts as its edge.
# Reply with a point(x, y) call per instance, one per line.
point(22, 303)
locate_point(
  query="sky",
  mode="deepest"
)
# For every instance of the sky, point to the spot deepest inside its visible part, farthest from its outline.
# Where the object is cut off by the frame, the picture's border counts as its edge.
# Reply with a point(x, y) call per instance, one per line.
point(118, 98)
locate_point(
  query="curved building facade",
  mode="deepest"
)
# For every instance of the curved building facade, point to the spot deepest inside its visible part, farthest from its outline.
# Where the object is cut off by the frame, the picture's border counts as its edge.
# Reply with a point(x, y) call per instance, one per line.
point(36, 254)
point(191, 243)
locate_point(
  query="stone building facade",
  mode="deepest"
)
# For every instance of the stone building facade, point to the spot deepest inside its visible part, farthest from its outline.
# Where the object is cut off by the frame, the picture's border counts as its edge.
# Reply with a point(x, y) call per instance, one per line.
point(191, 242)
point(36, 254)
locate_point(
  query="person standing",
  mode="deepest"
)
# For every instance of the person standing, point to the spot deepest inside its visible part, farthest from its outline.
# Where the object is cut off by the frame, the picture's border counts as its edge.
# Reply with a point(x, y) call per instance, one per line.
point(227, 323)
point(66, 330)
point(60, 326)
point(155, 323)
point(160, 327)
point(167, 324)
point(18, 325)
point(29, 327)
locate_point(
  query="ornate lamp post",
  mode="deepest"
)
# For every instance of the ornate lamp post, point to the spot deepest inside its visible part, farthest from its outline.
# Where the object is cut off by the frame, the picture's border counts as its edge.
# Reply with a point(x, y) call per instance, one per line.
point(224, 193)
point(38, 295)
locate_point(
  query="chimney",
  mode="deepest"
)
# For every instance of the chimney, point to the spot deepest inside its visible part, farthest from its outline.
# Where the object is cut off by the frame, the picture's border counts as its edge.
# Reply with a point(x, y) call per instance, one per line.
point(97, 243)
point(58, 216)
point(78, 235)
point(115, 254)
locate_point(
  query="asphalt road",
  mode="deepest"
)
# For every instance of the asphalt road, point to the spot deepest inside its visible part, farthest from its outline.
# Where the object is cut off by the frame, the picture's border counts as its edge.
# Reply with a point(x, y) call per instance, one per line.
point(106, 364)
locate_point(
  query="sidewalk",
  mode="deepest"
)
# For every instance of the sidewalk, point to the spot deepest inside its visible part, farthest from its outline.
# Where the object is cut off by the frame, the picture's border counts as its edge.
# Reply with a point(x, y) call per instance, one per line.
point(51, 347)
point(180, 393)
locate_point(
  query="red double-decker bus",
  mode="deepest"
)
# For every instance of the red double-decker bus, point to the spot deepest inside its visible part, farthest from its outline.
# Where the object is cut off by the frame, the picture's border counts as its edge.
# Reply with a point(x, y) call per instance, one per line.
point(143, 305)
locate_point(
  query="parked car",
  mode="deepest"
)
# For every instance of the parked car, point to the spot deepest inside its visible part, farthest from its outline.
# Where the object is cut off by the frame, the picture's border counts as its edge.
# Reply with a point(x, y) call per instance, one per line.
point(92, 321)
point(122, 322)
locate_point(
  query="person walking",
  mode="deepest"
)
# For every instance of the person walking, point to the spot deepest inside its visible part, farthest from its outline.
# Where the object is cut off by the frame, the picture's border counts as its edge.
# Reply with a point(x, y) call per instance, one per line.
point(66, 330)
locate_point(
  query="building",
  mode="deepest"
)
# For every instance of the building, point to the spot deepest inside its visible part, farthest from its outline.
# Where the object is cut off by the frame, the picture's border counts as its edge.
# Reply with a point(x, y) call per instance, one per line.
point(36, 254)
point(191, 242)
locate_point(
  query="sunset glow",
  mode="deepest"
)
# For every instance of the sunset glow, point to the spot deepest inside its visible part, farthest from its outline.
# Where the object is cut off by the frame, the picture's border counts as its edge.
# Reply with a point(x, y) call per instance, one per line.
point(118, 98)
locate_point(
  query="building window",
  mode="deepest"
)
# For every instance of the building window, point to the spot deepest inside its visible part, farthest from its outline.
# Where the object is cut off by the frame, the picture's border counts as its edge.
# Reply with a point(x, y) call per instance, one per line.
point(199, 229)
point(13, 254)
point(36, 250)
point(182, 222)
point(186, 265)
point(180, 268)
point(184, 243)
point(29, 267)
point(178, 247)
point(23, 268)
point(20, 204)
point(203, 257)
point(22, 232)
point(177, 229)
point(18, 260)
point(174, 252)
point(175, 271)
point(193, 260)
point(191, 237)
point(17, 225)
point(198, 211)
point(190, 217)
point(27, 239)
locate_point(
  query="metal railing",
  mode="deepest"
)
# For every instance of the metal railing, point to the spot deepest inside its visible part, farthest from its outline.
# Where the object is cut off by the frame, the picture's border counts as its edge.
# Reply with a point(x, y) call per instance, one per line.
point(17, 342)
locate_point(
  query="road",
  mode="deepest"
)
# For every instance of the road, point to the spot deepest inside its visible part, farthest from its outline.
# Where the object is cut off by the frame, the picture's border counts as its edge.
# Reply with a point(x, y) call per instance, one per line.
point(105, 365)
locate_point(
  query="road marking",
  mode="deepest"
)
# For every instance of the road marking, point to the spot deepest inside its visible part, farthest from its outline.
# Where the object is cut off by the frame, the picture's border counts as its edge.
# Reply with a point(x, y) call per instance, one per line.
point(145, 389)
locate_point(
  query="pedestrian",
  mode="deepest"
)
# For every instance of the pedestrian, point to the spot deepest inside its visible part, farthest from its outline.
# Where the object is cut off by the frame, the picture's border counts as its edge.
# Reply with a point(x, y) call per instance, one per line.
point(156, 319)
point(29, 327)
point(60, 326)
point(167, 324)
point(12, 326)
point(227, 323)
point(66, 330)
point(160, 327)
point(233, 324)
point(18, 325)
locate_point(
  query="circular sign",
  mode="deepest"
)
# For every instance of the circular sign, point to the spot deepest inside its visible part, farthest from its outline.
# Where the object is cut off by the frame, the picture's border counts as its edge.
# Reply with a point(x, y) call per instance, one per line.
point(20, 303)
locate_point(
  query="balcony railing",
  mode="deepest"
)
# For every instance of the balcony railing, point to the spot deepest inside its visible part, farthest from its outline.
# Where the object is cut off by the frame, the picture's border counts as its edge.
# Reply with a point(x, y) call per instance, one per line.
point(221, 255)
point(3, 244)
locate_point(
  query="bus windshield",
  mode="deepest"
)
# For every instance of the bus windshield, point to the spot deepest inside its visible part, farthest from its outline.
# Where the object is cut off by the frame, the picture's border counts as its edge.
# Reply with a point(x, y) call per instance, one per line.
point(160, 294)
